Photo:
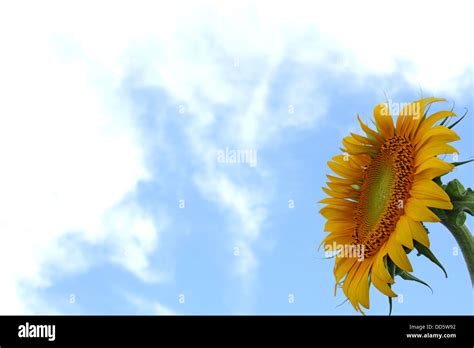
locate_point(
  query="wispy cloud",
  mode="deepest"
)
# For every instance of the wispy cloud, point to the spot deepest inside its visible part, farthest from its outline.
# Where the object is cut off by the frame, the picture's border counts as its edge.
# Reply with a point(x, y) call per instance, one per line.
point(134, 236)
point(68, 140)
point(148, 307)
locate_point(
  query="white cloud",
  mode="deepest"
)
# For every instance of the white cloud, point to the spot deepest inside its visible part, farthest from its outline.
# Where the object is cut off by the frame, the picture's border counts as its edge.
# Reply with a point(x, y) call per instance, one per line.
point(69, 154)
point(133, 237)
point(247, 211)
point(68, 147)
point(246, 204)
point(145, 306)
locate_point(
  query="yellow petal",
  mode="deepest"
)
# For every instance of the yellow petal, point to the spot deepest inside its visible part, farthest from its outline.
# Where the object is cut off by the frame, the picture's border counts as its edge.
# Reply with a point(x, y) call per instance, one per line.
point(398, 256)
point(335, 225)
point(433, 162)
point(362, 290)
point(427, 123)
point(347, 161)
point(340, 195)
point(343, 171)
point(403, 233)
point(419, 212)
point(355, 149)
point(418, 232)
point(419, 120)
point(337, 201)
point(342, 267)
point(356, 279)
point(433, 172)
point(370, 132)
point(340, 180)
point(351, 140)
point(428, 189)
point(379, 268)
point(342, 188)
point(429, 151)
point(335, 213)
point(348, 280)
point(433, 203)
point(382, 286)
point(411, 116)
point(338, 238)
point(439, 134)
point(384, 120)
point(363, 140)
point(361, 160)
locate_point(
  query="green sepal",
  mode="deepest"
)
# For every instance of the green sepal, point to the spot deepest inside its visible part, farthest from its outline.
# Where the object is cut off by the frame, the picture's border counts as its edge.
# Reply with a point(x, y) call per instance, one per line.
point(461, 163)
point(422, 250)
point(446, 118)
point(408, 276)
point(340, 304)
point(391, 268)
point(455, 123)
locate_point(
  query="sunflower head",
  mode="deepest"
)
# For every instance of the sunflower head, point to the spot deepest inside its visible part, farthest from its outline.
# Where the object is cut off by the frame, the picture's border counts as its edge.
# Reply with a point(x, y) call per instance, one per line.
point(382, 194)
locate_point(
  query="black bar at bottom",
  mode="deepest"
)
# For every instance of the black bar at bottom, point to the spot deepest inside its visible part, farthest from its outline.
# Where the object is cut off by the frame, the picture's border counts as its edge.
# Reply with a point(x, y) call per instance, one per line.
point(289, 330)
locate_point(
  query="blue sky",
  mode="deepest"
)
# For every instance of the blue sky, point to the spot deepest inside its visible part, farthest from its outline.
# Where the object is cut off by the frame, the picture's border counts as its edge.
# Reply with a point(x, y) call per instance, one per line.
point(113, 198)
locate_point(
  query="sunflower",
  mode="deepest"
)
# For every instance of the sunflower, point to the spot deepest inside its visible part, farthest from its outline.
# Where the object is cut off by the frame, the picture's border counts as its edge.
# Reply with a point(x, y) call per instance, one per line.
point(382, 193)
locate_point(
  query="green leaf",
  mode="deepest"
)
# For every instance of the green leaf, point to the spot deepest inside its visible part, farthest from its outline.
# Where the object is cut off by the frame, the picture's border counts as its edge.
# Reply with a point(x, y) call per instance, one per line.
point(422, 250)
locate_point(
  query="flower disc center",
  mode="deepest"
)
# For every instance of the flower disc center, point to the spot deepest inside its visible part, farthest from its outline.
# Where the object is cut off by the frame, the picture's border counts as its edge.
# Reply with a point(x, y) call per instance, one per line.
point(384, 191)
point(377, 188)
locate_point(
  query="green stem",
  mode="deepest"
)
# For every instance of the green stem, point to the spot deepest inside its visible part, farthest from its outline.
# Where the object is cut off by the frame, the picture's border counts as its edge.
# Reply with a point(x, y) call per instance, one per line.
point(465, 240)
